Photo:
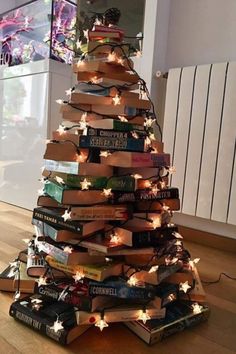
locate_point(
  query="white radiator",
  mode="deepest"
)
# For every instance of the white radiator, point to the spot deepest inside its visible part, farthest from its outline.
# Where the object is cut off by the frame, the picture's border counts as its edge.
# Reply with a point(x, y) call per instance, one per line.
point(200, 134)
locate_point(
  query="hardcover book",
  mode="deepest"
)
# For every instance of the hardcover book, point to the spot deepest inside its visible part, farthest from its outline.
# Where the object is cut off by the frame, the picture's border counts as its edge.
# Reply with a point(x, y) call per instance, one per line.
point(136, 159)
point(64, 151)
point(146, 195)
point(112, 143)
point(65, 195)
point(101, 212)
point(42, 320)
point(82, 168)
point(115, 124)
point(179, 316)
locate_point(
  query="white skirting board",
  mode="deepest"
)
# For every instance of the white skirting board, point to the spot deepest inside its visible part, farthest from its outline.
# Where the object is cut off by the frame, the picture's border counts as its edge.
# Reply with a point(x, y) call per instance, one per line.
point(200, 133)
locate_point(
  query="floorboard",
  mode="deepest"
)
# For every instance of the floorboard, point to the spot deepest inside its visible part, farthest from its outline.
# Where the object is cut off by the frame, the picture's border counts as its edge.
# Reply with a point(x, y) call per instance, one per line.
point(214, 337)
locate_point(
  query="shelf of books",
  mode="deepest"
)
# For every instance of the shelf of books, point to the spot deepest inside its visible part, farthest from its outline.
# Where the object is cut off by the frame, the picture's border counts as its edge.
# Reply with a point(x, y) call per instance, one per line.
point(105, 249)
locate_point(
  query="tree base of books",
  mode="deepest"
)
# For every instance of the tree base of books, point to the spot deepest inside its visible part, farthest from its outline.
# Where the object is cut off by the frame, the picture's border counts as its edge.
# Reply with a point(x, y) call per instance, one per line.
point(105, 249)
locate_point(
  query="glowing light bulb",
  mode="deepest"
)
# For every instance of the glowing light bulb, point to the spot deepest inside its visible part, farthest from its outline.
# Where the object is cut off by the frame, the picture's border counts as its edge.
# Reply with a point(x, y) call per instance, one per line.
point(60, 101)
point(101, 324)
point(136, 176)
point(134, 135)
point(67, 215)
point(78, 276)
point(104, 153)
point(114, 238)
point(94, 80)
point(40, 191)
point(156, 222)
point(152, 136)
point(148, 122)
point(85, 184)
point(116, 100)
point(184, 286)
point(57, 326)
point(68, 249)
point(42, 281)
point(107, 192)
point(144, 316)
point(155, 189)
point(123, 119)
point(138, 54)
point(121, 61)
point(153, 269)
point(162, 184)
point(59, 180)
point(197, 308)
point(61, 129)
point(112, 57)
point(68, 92)
point(132, 281)
point(172, 169)
point(147, 184)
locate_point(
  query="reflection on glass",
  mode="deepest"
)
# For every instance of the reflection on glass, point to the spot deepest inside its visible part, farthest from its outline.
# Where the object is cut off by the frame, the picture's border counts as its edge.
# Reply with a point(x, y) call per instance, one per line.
point(131, 20)
point(39, 30)
point(22, 137)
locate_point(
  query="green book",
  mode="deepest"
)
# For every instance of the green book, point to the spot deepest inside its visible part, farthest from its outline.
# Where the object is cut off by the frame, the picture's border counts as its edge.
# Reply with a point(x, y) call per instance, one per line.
point(123, 184)
point(93, 182)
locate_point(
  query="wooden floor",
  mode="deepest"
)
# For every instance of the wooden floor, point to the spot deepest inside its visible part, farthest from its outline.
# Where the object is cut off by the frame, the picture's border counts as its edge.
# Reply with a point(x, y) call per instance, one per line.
point(217, 336)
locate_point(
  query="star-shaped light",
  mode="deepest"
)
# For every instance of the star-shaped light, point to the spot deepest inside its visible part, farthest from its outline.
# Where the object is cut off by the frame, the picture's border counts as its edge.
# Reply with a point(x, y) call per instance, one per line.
point(132, 281)
point(61, 129)
point(68, 249)
point(60, 180)
point(85, 184)
point(123, 119)
point(112, 57)
point(155, 189)
point(97, 22)
point(153, 269)
point(94, 80)
point(78, 44)
point(193, 262)
point(162, 184)
point(172, 169)
point(138, 53)
point(136, 176)
point(114, 238)
point(165, 207)
point(17, 295)
point(60, 101)
point(121, 61)
point(148, 122)
point(143, 316)
point(40, 192)
point(12, 272)
point(78, 276)
point(152, 136)
point(107, 192)
point(36, 301)
point(134, 135)
point(86, 33)
point(68, 92)
point(67, 215)
point(184, 286)
point(13, 264)
point(57, 326)
point(101, 324)
point(156, 222)
point(104, 153)
point(178, 243)
point(83, 121)
point(177, 235)
point(42, 281)
point(196, 308)
point(36, 304)
point(116, 100)
point(147, 141)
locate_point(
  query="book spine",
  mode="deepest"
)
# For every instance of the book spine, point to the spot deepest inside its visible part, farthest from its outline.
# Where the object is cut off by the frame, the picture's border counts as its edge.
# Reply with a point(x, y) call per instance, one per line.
point(109, 133)
point(61, 166)
point(96, 182)
point(124, 126)
point(124, 184)
point(82, 302)
point(28, 317)
point(121, 291)
point(124, 144)
point(101, 213)
point(140, 195)
point(54, 191)
point(57, 221)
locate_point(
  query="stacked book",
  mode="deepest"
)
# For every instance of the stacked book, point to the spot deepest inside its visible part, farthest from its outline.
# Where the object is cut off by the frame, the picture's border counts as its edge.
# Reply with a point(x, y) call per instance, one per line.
point(104, 248)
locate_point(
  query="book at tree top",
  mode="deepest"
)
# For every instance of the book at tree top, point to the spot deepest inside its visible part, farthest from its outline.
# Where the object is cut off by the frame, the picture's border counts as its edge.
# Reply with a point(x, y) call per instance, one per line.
point(105, 248)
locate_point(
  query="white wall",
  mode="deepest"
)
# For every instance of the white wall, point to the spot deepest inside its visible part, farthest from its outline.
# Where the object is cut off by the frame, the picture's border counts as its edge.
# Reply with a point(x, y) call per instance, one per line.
point(201, 32)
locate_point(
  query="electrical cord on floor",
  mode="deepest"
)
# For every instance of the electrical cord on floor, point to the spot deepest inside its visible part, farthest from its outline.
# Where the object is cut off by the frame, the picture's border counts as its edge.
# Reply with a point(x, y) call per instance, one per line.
point(218, 280)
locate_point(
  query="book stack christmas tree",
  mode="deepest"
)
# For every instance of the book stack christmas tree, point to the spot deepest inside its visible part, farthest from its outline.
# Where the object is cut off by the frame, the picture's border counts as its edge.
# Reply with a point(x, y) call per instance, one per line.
point(105, 249)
